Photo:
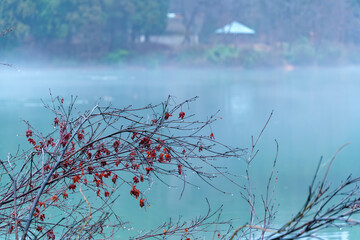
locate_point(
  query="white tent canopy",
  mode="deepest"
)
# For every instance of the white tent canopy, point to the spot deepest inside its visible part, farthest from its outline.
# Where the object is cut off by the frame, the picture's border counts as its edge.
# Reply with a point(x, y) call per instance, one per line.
point(235, 28)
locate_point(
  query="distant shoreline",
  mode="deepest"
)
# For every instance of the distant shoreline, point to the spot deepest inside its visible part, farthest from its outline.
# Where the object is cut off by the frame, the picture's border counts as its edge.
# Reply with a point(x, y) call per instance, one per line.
point(284, 56)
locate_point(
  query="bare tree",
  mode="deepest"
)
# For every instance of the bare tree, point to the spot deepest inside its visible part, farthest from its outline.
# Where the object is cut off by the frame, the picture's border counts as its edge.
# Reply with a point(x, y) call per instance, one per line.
point(48, 190)
point(324, 207)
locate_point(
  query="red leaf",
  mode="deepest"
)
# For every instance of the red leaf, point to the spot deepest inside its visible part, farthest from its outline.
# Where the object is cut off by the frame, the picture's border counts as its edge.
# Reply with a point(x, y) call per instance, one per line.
point(56, 122)
point(167, 115)
point(51, 235)
point(136, 180)
point(114, 178)
point(149, 170)
point(135, 191)
point(142, 202)
point(65, 195)
point(180, 169)
point(28, 133)
point(11, 229)
point(181, 115)
point(32, 141)
point(72, 187)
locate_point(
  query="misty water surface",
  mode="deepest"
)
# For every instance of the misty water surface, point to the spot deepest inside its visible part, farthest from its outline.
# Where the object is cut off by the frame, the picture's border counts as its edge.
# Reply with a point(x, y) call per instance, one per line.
point(316, 111)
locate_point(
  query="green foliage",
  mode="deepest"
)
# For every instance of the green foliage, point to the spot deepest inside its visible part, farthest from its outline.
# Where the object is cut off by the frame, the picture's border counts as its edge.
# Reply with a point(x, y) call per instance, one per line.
point(250, 57)
point(50, 21)
point(195, 55)
point(330, 54)
point(97, 29)
point(85, 28)
point(149, 17)
point(18, 14)
point(222, 54)
point(241, 56)
point(301, 52)
point(118, 56)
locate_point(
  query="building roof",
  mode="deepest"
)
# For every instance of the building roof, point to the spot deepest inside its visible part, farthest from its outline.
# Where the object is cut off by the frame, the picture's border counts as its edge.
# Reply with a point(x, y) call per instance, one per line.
point(235, 28)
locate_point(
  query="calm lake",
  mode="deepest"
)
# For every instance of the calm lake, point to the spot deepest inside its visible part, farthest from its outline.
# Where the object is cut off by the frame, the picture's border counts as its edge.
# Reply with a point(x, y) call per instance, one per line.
point(316, 111)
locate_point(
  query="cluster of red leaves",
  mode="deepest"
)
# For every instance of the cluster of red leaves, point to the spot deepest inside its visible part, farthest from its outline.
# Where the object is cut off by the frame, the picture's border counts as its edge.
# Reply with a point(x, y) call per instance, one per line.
point(50, 234)
point(135, 192)
point(145, 144)
point(42, 144)
point(116, 145)
point(29, 133)
point(101, 160)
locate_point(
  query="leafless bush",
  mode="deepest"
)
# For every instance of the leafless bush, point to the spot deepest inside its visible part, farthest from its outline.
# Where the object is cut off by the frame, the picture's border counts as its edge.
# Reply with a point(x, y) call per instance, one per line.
point(46, 191)
point(325, 207)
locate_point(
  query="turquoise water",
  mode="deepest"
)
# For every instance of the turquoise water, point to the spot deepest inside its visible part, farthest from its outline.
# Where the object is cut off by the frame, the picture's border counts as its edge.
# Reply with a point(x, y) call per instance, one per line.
point(316, 111)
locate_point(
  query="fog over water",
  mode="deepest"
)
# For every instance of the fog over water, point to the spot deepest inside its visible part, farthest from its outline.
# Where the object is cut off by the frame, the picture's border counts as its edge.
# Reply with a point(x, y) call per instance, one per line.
point(316, 111)
point(246, 59)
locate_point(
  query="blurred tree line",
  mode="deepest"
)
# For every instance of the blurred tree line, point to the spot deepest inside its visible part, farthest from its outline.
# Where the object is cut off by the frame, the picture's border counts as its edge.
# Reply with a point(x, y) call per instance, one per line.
point(93, 28)
point(81, 27)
